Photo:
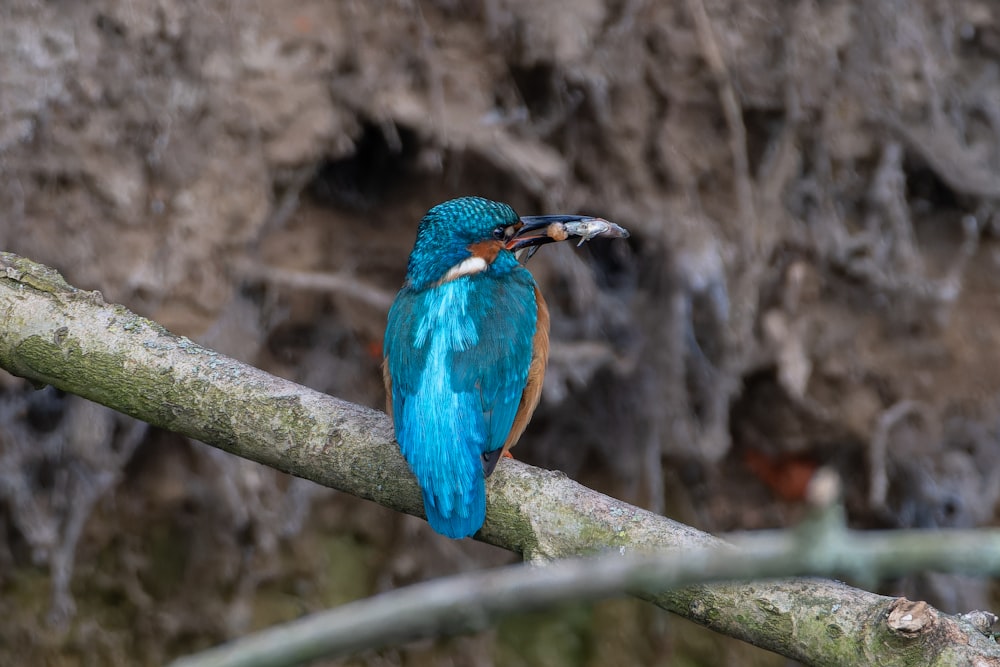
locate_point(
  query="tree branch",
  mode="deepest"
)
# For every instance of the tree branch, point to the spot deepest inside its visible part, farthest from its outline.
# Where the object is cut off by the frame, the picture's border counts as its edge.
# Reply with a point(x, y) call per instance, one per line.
point(473, 601)
point(53, 333)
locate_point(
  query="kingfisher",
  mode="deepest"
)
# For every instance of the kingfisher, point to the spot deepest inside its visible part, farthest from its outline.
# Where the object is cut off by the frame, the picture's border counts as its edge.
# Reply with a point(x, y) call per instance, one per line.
point(466, 346)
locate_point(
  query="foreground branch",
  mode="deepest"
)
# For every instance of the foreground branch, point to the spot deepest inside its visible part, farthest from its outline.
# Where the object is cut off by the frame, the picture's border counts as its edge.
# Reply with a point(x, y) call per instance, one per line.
point(474, 601)
point(52, 333)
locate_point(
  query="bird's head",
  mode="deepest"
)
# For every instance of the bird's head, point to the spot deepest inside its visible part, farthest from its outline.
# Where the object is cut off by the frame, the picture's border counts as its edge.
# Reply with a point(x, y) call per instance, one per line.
point(468, 235)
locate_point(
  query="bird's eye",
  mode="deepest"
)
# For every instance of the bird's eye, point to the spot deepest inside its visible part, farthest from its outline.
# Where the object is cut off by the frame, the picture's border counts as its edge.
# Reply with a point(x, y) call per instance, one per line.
point(500, 233)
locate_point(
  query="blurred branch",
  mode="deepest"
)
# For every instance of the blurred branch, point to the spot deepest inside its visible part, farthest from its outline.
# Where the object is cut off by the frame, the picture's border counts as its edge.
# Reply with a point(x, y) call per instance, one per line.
point(53, 333)
point(335, 283)
point(471, 602)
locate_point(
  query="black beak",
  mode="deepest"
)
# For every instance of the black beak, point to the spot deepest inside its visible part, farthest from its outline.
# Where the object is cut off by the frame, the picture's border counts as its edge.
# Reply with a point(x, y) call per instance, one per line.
point(536, 230)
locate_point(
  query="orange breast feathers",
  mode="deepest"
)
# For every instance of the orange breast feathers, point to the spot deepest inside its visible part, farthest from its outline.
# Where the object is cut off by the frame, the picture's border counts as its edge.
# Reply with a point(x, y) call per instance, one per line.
point(536, 373)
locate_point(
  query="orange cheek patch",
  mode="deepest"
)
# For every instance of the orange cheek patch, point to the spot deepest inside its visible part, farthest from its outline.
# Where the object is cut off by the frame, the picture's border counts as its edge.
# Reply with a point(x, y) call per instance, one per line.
point(487, 250)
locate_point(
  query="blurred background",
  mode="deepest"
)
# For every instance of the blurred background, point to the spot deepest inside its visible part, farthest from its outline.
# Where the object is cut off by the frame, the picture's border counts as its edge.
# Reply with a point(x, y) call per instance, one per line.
point(812, 280)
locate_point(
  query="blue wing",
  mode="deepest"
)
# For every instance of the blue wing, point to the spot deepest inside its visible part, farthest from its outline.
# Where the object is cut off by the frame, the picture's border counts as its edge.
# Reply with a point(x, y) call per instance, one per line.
point(458, 355)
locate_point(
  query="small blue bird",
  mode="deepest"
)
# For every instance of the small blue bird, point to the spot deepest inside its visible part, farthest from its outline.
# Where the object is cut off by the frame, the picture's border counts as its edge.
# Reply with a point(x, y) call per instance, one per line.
point(466, 347)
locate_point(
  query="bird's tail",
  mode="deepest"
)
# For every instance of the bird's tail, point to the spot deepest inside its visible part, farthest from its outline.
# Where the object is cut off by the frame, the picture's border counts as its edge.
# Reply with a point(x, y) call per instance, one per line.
point(462, 519)
point(441, 440)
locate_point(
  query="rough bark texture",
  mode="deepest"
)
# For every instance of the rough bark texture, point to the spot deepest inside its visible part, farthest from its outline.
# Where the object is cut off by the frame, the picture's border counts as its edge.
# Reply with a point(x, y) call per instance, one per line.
point(811, 280)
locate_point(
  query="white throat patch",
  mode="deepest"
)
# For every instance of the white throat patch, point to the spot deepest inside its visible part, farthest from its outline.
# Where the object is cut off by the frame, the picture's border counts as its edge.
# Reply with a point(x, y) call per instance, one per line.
point(466, 267)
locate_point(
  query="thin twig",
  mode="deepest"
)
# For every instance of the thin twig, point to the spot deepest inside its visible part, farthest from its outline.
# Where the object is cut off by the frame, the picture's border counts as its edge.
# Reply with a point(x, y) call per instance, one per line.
point(335, 283)
point(288, 204)
point(878, 452)
point(732, 111)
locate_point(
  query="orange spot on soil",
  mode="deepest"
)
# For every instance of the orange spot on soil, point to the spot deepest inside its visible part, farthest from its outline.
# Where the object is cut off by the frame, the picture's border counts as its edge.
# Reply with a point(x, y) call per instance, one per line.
point(787, 477)
point(373, 349)
point(303, 25)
